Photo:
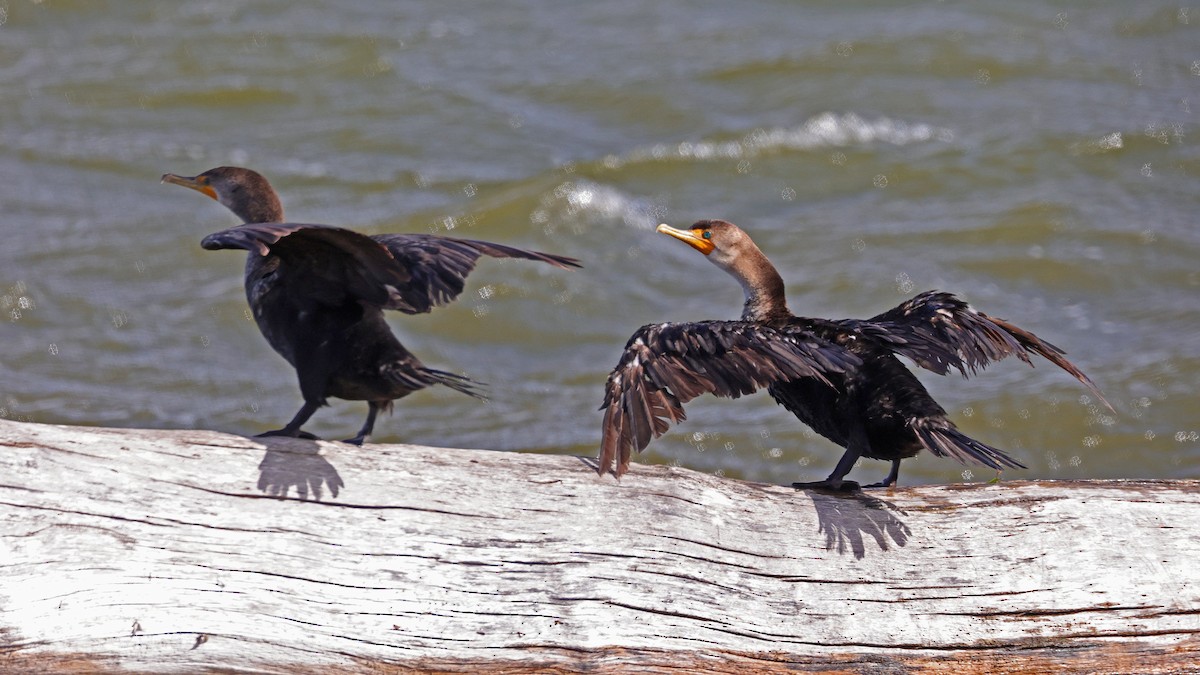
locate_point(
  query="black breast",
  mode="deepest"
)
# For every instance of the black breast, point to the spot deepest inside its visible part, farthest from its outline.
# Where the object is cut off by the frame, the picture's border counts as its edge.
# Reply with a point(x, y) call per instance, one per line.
point(881, 395)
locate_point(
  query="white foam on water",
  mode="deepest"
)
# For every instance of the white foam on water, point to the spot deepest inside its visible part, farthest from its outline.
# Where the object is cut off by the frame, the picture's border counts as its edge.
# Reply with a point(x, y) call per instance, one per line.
point(823, 131)
point(581, 202)
point(1106, 143)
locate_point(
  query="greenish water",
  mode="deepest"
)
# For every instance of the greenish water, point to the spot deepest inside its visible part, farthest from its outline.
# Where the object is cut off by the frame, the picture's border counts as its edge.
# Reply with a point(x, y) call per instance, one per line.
point(1040, 159)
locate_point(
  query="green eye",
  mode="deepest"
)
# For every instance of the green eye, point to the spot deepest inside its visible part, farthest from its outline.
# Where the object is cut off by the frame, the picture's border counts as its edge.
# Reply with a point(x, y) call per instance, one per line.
point(707, 234)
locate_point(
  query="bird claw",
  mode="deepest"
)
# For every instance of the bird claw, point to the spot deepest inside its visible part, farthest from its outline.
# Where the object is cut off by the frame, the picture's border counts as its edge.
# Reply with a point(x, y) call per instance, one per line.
point(828, 485)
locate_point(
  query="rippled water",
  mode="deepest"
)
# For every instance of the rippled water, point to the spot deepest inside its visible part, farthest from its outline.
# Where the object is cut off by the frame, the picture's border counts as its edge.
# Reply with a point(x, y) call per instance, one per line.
point(1039, 159)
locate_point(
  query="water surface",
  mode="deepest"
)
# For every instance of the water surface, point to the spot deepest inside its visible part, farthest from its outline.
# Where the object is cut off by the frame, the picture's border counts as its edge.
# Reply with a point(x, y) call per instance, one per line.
point(1039, 159)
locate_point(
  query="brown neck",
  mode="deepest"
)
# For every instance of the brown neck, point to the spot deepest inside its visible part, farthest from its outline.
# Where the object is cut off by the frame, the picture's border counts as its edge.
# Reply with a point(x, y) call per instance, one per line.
point(264, 209)
point(765, 295)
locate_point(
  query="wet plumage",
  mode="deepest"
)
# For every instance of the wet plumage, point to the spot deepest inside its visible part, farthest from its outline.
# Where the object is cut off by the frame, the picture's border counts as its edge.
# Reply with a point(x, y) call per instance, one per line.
point(840, 377)
point(318, 293)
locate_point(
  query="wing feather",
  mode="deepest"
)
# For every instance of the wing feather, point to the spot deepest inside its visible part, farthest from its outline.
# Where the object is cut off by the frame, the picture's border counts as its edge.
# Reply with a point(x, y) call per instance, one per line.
point(412, 273)
point(329, 264)
point(939, 331)
point(439, 266)
point(666, 365)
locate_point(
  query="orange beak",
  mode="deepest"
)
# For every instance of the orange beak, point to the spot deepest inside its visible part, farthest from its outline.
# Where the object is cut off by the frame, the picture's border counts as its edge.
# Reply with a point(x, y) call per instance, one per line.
point(194, 182)
point(689, 237)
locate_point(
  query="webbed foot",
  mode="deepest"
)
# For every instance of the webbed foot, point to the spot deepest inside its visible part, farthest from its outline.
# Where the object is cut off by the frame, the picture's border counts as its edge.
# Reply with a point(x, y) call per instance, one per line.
point(828, 485)
point(292, 434)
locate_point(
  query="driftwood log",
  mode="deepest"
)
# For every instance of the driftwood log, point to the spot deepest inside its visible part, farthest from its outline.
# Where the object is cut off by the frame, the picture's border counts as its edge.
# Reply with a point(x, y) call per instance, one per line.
point(193, 551)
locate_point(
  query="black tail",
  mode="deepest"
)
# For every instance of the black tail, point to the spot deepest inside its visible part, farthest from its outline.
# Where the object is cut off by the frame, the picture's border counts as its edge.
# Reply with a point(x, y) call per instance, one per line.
point(455, 382)
point(942, 439)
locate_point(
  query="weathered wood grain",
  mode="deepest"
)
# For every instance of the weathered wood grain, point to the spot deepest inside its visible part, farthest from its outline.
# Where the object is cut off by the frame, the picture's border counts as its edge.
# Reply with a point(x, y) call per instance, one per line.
point(178, 551)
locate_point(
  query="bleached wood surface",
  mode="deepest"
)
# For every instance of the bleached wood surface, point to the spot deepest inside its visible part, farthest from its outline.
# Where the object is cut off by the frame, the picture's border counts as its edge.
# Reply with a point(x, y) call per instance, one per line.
point(170, 551)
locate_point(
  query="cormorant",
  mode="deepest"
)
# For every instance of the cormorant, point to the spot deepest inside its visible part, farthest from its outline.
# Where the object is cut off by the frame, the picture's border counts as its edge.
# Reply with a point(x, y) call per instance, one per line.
point(857, 393)
point(318, 293)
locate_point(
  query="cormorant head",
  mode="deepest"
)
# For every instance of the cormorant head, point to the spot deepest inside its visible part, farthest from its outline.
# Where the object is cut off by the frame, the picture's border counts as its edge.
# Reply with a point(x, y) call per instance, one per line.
point(721, 241)
point(731, 249)
point(247, 193)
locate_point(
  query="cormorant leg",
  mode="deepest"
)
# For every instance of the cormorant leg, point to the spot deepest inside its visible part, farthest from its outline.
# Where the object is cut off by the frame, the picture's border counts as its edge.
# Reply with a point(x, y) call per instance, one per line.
point(891, 477)
point(368, 426)
point(293, 428)
point(835, 481)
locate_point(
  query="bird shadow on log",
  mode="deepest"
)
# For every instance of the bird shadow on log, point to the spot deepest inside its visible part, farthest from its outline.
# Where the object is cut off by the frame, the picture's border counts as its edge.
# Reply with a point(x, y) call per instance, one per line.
point(848, 519)
point(296, 463)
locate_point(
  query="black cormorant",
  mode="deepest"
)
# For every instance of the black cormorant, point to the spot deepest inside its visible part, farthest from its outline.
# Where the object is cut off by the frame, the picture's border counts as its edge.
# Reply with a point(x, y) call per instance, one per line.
point(318, 293)
point(855, 392)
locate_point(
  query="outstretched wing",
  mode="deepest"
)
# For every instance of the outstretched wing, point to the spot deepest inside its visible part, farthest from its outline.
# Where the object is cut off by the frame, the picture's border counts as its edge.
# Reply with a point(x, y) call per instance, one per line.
point(328, 264)
point(939, 331)
point(440, 265)
point(667, 365)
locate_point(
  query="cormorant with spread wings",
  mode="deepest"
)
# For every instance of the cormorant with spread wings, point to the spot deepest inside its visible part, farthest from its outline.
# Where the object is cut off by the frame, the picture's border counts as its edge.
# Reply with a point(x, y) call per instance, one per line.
point(840, 377)
point(318, 293)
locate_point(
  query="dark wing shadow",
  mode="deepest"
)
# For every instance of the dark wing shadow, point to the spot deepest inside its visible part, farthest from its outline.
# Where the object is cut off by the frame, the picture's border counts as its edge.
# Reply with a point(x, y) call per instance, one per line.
point(845, 518)
point(296, 463)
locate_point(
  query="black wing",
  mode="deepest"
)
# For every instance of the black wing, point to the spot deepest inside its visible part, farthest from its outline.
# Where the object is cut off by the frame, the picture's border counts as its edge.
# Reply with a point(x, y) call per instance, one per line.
point(440, 265)
point(939, 331)
point(328, 264)
point(667, 365)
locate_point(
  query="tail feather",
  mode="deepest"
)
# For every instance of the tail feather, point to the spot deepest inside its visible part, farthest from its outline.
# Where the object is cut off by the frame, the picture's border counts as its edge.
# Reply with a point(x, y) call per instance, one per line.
point(456, 382)
point(944, 440)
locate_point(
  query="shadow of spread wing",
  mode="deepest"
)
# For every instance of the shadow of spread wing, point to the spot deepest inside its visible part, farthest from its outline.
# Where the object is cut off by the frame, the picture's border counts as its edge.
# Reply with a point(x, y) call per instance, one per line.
point(326, 264)
point(439, 266)
point(667, 365)
point(939, 331)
